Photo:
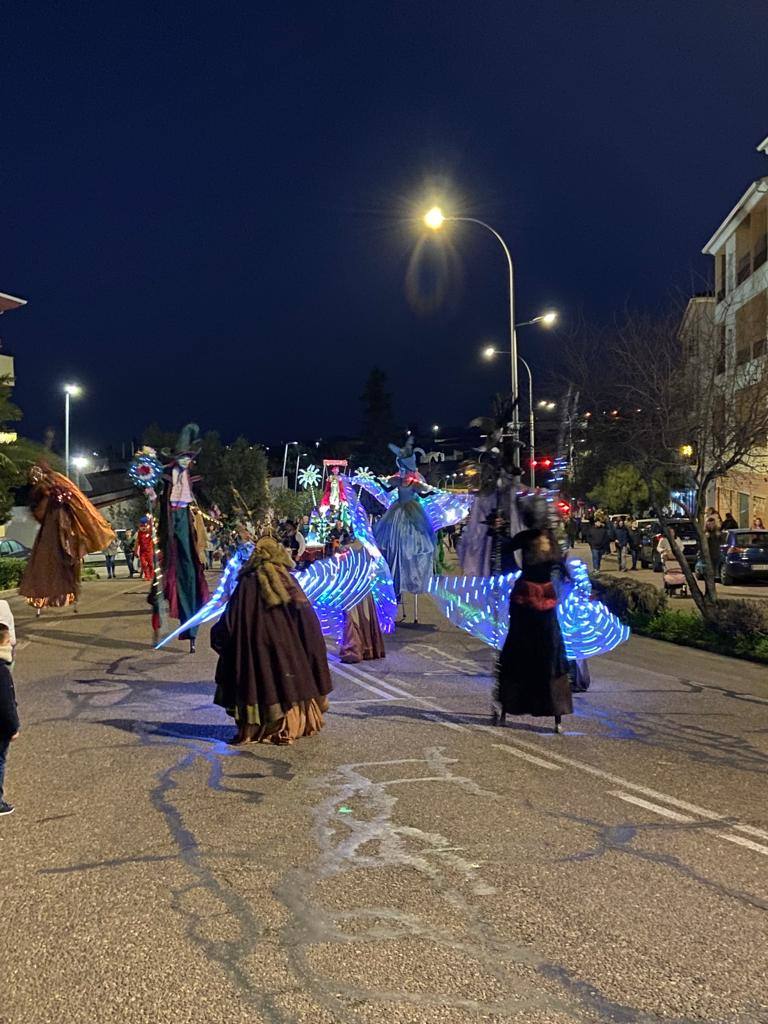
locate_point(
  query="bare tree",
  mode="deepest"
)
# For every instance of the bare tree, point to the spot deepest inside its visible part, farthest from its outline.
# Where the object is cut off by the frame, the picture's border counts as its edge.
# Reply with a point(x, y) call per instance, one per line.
point(666, 395)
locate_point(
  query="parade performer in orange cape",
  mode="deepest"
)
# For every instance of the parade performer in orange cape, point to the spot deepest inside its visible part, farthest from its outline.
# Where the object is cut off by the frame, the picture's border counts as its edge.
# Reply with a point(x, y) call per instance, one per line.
point(70, 529)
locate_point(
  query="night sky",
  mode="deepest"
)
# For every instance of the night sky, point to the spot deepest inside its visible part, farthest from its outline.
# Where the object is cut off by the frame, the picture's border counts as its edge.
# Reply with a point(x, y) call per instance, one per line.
point(210, 206)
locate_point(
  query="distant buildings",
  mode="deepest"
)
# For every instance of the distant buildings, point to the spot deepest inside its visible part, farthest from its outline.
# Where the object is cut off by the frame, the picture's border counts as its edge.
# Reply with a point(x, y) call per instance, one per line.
point(739, 248)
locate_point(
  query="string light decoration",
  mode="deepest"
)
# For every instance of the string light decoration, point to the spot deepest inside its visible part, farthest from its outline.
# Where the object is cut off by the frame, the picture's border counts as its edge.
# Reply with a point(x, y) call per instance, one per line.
point(309, 478)
point(145, 472)
point(480, 606)
point(372, 486)
point(146, 469)
point(363, 473)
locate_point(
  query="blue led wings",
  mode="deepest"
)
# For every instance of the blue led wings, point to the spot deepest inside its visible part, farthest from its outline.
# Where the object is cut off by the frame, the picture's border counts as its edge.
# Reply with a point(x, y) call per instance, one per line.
point(480, 606)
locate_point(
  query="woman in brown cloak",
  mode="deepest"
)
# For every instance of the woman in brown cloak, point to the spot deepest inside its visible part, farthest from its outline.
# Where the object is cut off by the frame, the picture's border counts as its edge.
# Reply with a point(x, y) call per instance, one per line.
point(272, 676)
point(70, 529)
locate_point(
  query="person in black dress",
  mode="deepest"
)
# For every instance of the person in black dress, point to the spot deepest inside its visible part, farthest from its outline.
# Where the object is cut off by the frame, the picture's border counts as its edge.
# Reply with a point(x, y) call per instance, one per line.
point(532, 675)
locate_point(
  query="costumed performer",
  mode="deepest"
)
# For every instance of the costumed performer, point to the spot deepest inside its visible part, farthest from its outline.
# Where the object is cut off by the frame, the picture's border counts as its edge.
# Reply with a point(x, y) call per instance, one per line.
point(361, 639)
point(184, 584)
point(404, 534)
point(70, 529)
point(145, 548)
point(272, 676)
point(532, 673)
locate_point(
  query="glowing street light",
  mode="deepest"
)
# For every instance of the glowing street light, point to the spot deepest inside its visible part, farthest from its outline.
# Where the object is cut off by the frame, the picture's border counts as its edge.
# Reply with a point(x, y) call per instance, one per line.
point(435, 428)
point(434, 218)
point(70, 391)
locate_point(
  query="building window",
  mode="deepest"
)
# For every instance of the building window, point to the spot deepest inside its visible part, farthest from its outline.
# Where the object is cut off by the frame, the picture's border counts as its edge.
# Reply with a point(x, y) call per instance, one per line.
point(743, 511)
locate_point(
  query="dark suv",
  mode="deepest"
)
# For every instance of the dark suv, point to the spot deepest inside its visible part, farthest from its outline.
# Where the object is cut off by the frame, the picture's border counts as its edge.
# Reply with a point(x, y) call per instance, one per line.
point(685, 531)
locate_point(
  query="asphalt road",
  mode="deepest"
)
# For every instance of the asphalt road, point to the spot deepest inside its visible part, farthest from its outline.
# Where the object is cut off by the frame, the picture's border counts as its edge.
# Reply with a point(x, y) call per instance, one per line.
point(409, 864)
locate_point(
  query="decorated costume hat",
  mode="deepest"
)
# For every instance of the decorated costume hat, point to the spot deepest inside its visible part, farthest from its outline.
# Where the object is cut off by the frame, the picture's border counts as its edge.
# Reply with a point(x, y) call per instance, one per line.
point(188, 443)
point(406, 456)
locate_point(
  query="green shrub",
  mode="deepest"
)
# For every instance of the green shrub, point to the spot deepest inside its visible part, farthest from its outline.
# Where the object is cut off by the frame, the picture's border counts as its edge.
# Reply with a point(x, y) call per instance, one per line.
point(690, 630)
point(11, 571)
point(739, 628)
point(742, 618)
point(627, 597)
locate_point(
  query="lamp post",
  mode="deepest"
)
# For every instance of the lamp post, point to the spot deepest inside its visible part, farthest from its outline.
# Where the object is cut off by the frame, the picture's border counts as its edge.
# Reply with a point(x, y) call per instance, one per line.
point(70, 391)
point(80, 463)
point(434, 219)
point(531, 423)
point(490, 351)
point(299, 456)
point(285, 464)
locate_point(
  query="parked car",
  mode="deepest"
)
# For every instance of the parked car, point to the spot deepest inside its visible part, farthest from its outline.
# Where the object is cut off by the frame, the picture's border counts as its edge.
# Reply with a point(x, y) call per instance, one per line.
point(686, 534)
point(13, 549)
point(743, 557)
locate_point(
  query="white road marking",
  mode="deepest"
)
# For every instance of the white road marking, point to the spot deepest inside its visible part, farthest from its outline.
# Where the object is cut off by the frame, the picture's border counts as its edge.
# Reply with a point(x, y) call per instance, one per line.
point(345, 674)
point(616, 780)
point(751, 830)
point(528, 757)
point(744, 842)
point(444, 722)
point(651, 807)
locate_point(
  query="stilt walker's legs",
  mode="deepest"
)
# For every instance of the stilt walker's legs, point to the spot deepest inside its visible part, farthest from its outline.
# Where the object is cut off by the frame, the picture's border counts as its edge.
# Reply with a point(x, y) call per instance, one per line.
point(558, 727)
point(415, 608)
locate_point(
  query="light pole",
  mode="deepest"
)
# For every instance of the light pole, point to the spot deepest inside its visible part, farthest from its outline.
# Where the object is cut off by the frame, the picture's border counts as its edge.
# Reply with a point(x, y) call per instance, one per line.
point(548, 319)
point(70, 391)
point(299, 456)
point(80, 463)
point(285, 464)
point(531, 423)
point(434, 219)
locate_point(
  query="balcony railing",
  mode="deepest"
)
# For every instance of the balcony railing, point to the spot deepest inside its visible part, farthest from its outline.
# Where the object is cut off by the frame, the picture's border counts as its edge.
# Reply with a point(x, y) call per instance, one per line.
point(744, 268)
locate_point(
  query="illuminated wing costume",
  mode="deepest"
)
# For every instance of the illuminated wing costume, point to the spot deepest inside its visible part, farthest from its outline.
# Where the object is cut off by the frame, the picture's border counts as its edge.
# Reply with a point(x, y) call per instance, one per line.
point(333, 585)
point(480, 606)
point(406, 533)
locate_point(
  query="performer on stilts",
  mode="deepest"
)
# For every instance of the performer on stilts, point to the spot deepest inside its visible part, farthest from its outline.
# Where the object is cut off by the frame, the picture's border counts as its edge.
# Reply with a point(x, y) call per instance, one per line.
point(404, 533)
point(532, 673)
point(70, 529)
point(184, 584)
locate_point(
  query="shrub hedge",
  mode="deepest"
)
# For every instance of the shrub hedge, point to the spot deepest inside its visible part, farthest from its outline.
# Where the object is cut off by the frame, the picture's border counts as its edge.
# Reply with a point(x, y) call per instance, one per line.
point(11, 571)
point(739, 629)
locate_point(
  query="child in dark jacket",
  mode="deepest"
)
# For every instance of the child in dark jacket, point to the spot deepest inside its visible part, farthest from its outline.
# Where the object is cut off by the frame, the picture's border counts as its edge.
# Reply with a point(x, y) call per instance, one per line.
point(9, 716)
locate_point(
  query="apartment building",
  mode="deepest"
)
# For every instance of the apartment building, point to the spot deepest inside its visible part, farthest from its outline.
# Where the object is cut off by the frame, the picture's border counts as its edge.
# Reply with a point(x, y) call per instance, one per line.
point(739, 248)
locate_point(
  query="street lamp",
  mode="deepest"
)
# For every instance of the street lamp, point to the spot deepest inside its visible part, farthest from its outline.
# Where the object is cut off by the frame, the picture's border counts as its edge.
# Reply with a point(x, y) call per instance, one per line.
point(79, 463)
point(299, 456)
point(70, 391)
point(285, 463)
point(434, 220)
point(435, 428)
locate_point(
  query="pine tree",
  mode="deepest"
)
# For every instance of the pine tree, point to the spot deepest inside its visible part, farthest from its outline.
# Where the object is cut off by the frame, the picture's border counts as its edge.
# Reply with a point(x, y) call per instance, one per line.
point(378, 422)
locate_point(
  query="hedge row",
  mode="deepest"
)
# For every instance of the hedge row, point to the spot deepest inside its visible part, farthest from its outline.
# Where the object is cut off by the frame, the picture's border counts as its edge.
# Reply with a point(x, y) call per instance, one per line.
point(740, 628)
point(11, 571)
